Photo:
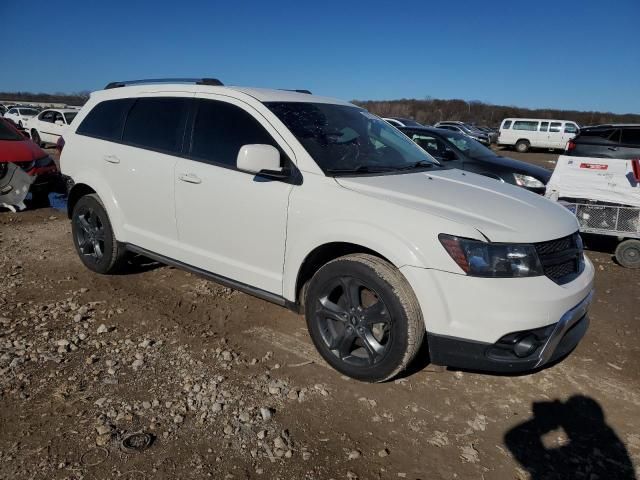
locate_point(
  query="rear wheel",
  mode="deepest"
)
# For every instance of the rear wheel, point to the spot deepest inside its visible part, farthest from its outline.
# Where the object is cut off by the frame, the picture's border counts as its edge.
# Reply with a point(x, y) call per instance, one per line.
point(93, 236)
point(628, 253)
point(363, 317)
point(522, 146)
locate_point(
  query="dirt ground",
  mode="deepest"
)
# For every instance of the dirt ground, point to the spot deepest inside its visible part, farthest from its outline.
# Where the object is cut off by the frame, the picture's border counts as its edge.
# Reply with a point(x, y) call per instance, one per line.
point(227, 386)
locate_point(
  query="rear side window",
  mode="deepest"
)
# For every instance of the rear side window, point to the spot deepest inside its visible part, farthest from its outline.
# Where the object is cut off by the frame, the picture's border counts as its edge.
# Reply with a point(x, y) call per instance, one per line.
point(157, 124)
point(506, 125)
point(555, 127)
point(631, 136)
point(221, 129)
point(544, 126)
point(599, 135)
point(106, 119)
point(525, 125)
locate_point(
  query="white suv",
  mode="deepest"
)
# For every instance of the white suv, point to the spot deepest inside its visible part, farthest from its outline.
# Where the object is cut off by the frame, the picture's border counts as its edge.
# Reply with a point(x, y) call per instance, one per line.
point(320, 206)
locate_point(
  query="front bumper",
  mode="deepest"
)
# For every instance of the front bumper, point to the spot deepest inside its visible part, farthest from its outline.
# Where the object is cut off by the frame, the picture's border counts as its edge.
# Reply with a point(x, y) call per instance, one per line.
point(558, 340)
point(474, 323)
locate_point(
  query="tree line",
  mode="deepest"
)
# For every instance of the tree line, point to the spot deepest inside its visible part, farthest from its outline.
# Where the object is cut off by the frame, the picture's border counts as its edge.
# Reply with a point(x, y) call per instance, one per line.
point(76, 99)
point(430, 111)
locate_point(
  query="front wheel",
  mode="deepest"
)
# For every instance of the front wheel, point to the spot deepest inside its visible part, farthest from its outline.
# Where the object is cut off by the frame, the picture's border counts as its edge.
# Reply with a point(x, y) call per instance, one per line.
point(628, 253)
point(363, 317)
point(93, 236)
point(35, 136)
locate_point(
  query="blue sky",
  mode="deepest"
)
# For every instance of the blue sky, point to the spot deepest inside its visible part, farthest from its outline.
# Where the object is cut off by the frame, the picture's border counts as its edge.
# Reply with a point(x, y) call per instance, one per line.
point(579, 55)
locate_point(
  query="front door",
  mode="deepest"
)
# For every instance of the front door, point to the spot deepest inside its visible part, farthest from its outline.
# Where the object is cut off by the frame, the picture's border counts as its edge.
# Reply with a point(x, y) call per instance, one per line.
point(231, 223)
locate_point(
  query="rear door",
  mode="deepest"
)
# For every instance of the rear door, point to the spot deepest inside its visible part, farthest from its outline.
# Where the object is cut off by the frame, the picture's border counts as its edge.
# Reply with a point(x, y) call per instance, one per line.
point(139, 169)
point(230, 222)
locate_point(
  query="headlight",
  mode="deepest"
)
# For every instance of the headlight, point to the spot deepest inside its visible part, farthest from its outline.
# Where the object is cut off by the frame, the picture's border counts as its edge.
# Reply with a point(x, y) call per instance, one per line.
point(527, 181)
point(496, 260)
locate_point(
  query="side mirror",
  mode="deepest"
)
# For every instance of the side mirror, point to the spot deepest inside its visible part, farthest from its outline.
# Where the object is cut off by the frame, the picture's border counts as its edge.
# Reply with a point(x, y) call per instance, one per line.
point(59, 122)
point(261, 160)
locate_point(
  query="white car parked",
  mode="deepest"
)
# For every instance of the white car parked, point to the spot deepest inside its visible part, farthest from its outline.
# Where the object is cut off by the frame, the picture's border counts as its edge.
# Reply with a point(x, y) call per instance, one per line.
point(50, 125)
point(526, 133)
point(316, 204)
point(20, 115)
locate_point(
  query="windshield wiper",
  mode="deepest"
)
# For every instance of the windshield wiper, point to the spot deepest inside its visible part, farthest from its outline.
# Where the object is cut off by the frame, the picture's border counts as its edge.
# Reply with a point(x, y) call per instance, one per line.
point(419, 164)
point(360, 169)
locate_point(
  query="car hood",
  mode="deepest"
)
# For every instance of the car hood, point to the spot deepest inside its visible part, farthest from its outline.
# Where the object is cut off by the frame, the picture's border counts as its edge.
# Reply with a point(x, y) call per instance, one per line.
point(517, 166)
point(501, 212)
point(19, 151)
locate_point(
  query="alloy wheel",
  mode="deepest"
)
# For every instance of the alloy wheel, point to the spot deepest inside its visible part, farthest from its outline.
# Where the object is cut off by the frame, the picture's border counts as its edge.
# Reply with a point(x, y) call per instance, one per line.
point(354, 322)
point(90, 234)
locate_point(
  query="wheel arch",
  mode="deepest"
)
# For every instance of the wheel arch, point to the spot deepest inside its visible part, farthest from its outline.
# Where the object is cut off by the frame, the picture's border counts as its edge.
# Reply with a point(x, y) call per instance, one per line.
point(321, 255)
point(93, 184)
point(78, 191)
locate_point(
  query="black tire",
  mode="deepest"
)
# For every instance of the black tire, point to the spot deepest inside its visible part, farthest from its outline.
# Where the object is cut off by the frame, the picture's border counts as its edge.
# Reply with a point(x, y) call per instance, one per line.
point(93, 236)
point(628, 253)
point(374, 332)
point(523, 146)
point(20, 123)
point(35, 136)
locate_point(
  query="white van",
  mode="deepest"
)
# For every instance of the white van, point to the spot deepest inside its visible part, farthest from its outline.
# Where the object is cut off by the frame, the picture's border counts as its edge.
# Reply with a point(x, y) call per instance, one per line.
point(526, 133)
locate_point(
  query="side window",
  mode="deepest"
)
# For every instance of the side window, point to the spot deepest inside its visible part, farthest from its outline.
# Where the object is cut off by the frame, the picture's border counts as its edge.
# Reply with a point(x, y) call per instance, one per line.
point(156, 123)
point(544, 126)
point(221, 129)
point(47, 116)
point(555, 127)
point(531, 126)
point(432, 145)
point(58, 116)
point(506, 125)
point(570, 128)
point(106, 119)
point(12, 111)
point(599, 135)
point(631, 136)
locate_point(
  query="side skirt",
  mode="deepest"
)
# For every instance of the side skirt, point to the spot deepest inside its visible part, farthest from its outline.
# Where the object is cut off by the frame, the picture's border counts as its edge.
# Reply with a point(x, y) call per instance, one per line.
point(227, 282)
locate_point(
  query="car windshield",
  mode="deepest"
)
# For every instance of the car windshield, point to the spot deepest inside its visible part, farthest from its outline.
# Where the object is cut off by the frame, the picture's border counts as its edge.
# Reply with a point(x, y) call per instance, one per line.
point(8, 133)
point(469, 146)
point(346, 139)
point(69, 116)
point(28, 111)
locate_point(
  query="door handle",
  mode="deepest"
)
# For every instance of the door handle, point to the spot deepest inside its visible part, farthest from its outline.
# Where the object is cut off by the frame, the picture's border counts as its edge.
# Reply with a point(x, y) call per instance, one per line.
point(190, 178)
point(613, 149)
point(111, 159)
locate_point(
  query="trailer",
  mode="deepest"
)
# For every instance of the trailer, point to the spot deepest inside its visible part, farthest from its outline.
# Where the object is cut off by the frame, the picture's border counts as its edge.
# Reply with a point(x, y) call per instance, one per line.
point(604, 195)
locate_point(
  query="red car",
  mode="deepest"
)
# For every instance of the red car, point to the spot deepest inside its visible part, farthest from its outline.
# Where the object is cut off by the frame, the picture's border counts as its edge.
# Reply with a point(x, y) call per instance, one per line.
point(24, 168)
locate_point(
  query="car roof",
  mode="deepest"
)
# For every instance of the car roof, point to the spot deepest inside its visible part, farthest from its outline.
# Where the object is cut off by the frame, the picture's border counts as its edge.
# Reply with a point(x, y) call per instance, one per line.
point(538, 119)
point(260, 94)
point(61, 110)
point(612, 125)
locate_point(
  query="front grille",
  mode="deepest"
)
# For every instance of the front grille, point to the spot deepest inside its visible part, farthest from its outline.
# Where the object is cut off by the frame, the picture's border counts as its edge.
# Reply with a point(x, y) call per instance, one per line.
point(562, 259)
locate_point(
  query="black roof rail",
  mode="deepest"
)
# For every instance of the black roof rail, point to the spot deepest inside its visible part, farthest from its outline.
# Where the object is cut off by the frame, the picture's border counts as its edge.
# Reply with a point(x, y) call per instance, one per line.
point(197, 81)
point(297, 90)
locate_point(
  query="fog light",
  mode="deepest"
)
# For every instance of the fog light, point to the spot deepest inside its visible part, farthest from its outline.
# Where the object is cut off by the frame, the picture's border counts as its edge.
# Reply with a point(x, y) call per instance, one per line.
point(525, 346)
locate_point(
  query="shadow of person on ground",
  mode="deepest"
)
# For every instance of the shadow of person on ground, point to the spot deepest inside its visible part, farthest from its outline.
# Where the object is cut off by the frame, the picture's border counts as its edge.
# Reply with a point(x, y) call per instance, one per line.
point(591, 448)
